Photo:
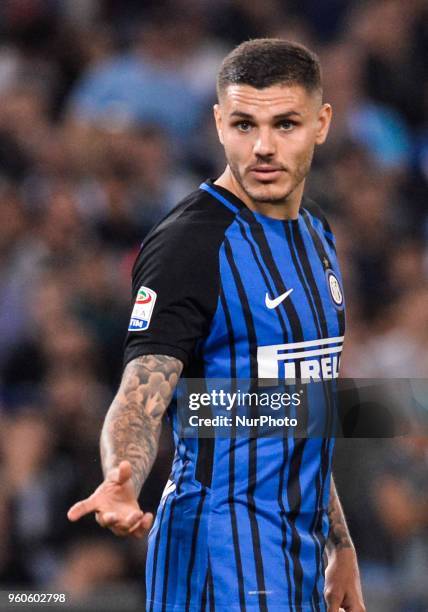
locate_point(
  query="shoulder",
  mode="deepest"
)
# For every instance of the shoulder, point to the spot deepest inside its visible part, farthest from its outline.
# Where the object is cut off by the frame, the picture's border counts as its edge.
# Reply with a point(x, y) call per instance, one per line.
point(194, 228)
point(314, 214)
point(197, 217)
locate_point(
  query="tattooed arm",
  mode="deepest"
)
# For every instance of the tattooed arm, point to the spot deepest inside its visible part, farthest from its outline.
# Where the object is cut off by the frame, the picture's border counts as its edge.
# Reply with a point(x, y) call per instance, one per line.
point(133, 423)
point(342, 578)
point(129, 444)
point(338, 535)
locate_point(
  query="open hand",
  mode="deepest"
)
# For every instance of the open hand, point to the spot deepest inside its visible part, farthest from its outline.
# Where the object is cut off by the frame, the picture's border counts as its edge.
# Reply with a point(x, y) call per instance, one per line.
point(115, 505)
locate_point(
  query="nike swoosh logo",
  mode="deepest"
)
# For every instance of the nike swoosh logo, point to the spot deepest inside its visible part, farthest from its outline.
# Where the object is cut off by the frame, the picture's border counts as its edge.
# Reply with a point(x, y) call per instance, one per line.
point(277, 301)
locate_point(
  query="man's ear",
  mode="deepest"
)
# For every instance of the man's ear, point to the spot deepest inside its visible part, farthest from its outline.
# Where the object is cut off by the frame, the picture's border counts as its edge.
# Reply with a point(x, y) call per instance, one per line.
point(218, 122)
point(323, 123)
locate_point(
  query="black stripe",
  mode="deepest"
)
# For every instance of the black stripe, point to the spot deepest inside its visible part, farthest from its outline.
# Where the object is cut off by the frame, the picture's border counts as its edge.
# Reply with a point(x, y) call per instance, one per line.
point(294, 495)
point(330, 242)
point(252, 462)
point(168, 539)
point(283, 515)
point(252, 338)
point(205, 454)
point(205, 459)
point(204, 462)
point(204, 594)
point(193, 549)
point(231, 491)
point(230, 334)
point(211, 587)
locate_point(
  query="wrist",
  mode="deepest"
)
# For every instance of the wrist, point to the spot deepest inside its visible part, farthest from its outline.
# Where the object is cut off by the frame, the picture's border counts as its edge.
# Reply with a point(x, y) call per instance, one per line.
point(342, 549)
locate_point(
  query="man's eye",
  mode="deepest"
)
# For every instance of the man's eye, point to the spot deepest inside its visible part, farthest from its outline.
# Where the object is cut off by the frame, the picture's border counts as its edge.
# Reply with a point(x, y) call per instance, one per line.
point(243, 126)
point(286, 125)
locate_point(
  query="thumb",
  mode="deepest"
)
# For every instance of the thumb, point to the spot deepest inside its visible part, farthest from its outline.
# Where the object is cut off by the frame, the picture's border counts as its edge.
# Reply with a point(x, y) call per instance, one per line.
point(121, 474)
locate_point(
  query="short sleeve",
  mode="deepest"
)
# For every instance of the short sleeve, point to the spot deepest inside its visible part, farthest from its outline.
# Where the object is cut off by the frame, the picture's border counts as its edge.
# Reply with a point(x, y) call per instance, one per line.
point(175, 285)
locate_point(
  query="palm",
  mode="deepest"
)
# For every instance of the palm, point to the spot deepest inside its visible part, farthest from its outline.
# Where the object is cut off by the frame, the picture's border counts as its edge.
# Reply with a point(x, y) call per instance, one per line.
point(115, 497)
point(115, 504)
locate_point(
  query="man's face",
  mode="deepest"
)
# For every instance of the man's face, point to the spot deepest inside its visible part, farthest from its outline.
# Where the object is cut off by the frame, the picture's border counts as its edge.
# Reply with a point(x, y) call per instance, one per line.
point(269, 137)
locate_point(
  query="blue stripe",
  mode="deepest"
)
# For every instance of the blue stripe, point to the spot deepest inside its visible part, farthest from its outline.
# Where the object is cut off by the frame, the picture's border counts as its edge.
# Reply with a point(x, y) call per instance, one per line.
point(219, 197)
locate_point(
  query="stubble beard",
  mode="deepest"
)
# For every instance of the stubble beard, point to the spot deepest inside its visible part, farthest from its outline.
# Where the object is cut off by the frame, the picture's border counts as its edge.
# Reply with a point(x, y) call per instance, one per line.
point(299, 176)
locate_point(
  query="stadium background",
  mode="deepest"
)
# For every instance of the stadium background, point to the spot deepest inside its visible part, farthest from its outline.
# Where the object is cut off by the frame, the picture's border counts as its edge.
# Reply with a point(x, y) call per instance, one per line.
point(105, 122)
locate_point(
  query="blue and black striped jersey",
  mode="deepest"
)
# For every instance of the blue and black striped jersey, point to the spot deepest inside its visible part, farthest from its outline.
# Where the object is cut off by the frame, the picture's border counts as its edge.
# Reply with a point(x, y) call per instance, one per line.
point(242, 523)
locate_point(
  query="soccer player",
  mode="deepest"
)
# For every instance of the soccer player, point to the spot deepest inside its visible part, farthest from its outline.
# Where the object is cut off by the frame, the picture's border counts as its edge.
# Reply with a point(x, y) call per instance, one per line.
point(239, 281)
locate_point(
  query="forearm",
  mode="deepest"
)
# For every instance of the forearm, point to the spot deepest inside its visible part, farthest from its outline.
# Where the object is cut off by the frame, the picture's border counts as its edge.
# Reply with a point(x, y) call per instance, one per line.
point(133, 422)
point(342, 577)
point(338, 536)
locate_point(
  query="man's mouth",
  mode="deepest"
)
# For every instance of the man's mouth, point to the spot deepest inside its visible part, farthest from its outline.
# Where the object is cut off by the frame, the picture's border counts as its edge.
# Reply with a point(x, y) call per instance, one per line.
point(266, 172)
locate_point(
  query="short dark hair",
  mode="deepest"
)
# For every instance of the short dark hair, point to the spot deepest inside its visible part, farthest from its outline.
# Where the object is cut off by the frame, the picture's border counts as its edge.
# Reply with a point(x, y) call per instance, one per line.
point(263, 62)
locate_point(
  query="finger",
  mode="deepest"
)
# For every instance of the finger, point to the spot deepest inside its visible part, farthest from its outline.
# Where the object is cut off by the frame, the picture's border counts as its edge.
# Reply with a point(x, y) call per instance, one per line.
point(119, 526)
point(100, 518)
point(107, 519)
point(139, 532)
point(145, 523)
point(122, 528)
point(110, 519)
point(143, 526)
point(119, 532)
point(132, 520)
point(147, 520)
point(124, 525)
point(81, 508)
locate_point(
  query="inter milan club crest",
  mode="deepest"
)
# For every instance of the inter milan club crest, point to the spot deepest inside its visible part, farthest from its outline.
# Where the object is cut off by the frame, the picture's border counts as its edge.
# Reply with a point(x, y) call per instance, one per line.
point(335, 289)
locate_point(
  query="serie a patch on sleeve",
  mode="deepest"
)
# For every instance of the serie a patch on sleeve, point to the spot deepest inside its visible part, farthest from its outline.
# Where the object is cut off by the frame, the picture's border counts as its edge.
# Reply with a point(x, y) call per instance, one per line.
point(143, 309)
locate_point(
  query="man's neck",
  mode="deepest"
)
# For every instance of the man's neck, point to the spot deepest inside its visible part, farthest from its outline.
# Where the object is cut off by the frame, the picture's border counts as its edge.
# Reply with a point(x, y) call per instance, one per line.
point(287, 210)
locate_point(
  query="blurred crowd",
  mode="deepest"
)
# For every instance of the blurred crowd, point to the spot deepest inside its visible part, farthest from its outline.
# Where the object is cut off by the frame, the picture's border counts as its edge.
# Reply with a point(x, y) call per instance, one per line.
point(105, 123)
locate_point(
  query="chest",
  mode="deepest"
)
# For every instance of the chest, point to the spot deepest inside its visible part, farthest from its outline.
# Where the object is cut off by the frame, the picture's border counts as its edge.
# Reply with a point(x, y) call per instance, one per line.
point(282, 300)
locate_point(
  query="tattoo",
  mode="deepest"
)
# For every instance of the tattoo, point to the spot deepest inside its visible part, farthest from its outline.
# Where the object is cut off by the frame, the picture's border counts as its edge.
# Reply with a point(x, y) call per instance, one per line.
point(338, 536)
point(133, 423)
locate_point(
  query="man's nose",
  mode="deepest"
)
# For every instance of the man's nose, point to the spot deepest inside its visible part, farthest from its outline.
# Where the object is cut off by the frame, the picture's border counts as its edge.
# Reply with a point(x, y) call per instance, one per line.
point(265, 144)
